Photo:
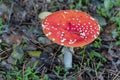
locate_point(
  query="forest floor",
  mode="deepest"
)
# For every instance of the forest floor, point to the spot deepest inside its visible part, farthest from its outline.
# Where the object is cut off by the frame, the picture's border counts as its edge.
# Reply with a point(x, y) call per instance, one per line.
point(27, 54)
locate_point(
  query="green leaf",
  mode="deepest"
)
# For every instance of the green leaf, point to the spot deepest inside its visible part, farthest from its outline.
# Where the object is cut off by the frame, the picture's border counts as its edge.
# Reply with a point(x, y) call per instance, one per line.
point(108, 4)
point(101, 20)
point(61, 0)
point(34, 53)
point(43, 15)
point(71, 6)
point(114, 33)
point(79, 4)
point(2, 26)
point(17, 53)
point(44, 40)
point(91, 55)
point(118, 43)
point(1, 1)
point(98, 65)
point(97, 54)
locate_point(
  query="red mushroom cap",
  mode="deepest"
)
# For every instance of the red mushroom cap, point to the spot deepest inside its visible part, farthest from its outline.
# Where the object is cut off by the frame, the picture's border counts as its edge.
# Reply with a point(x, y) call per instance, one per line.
point(71, 28)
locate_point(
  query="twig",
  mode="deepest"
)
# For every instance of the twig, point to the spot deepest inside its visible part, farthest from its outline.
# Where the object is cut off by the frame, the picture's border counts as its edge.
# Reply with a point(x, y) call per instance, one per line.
point(112, 73)
point(11, 9)
point(76, 56)
point(23, 72)
point(5, 51)
point(55, 54)
point(117, 75)
point(45, 5)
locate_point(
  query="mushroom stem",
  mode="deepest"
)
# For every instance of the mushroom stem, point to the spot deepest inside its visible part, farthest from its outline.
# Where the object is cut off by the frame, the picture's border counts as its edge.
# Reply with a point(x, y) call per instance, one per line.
point(67, 56)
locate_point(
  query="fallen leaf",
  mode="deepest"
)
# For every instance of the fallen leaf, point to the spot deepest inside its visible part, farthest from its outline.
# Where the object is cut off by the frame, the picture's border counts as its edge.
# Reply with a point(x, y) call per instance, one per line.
point(44, 40)
point(17, 52)
point(12, 39)
point(101, 20)
point(16, 39)
point(43, 15)
point(110, 28)
point(34, 53)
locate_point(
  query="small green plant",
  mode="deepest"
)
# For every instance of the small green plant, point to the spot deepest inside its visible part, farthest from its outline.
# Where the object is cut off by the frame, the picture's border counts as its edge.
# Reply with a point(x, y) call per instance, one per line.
point(1, 1)
point(96, 54)
point(30, 74)
point(45, 77)
point(76, 66)
point(118, 43)
point(97, 42)
point(14, 75)
point(95, 61)
point(82, 53)
point(78, 5)
point(116, 32)
point(2, 26)
point(93, 55)
point(108, 8)
point(59, 70)
point(3, 45)
point(109, 11)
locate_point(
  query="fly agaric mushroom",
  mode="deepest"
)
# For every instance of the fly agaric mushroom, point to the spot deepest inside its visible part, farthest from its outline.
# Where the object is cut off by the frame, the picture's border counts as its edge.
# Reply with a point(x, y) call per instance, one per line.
point(70, 28)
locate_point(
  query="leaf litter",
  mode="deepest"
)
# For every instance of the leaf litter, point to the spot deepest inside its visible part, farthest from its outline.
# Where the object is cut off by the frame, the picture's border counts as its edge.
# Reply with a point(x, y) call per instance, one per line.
point(26, 44)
